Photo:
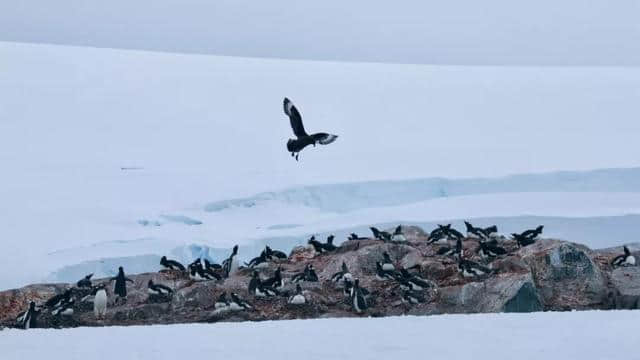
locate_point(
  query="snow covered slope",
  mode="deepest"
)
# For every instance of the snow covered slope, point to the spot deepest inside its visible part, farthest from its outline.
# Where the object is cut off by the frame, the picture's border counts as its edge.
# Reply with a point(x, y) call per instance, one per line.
point(552, 335)
point(114, 154)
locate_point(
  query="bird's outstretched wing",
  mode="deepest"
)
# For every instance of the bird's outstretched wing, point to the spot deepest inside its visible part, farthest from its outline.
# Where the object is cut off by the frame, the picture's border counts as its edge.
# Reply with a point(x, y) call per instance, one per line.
point(295, 118)
point(324, 138)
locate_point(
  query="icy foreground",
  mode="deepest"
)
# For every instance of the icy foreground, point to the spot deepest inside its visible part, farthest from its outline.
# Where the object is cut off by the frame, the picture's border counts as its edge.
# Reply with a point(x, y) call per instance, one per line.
point(570, 335)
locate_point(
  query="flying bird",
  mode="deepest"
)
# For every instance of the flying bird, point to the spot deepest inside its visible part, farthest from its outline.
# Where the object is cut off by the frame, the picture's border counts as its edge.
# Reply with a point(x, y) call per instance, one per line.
point(294, 146)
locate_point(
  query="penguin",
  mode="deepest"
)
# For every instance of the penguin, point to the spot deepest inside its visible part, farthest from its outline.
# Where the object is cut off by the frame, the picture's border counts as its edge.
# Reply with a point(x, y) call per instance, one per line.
point(625, 259)
point(158, 289)
point(198, 273)
point(413, 297)
point(230, 265)
point(309, 274)
point(489, 231)
point(298, 298)
point(171, 264)
point(439, 234)
point(254, 283)
point(222, 303)
point(59, 299)
point(469, 268)
point(317, 245)
point(358, 300)
point(85, 282)
point(100, 302)
point(348, 287)
point(387, 264)
point(28, 319)
point(259, 262)
point(211, 266)
point(120, 287)
point(64, 309)
point(455, 234)
point(533, 233)
point(473, 232)
point(238, 304)
point(452, 251)
point(276, 281)
point(409, 281)
point(274, 254)
point(380, 235)
point(382, 274)
point(355, 236)
point(489, 249)
point(398, 235)
point(329, 244)
point(523, 241)
point(342, 274)
point(265, 291)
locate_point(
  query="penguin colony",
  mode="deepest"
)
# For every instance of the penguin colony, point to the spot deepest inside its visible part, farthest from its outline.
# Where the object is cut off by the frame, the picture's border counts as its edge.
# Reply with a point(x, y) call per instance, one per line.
point(408, 285)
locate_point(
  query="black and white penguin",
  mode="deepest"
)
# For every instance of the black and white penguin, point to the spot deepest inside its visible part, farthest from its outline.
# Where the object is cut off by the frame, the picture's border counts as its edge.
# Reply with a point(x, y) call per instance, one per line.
point(455, 251)
point(294, 146)
point(237, 303)
point(274, 254)
point(523, 241)
point(473, 232)
point(533, 233)
point(317, 245)
point(198, 273)
point(455, 234)
point(29, 318)
point(387, 264)
point(348, 287)
point(64, 309)
point(490, 249)
point(275, 281)
point(355, 236)
point(489, 231)
point(298, 298)
point(254, 282)
point(382, 274)
point(222, 303)
point(625, 259)
point(100, 301)
point(328, 246)
point(259, 262)
point(85, 282)
point(470, 268)
point(57, 300)
point(380, 235)
point(409, 281)
point(413, 297)
point(358, 299)
point(211, 266)
point(439, 234)
point(309, 274)
point(171, 264)
point(265, 291)
point(230, 265)
point(158, 289)
point(120, 287)
point(398, 235)
point(342, 274)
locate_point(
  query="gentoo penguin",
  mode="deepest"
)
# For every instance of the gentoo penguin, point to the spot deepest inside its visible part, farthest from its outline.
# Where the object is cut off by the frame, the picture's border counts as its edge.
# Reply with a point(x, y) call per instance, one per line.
point(358, 299)
point(294, 146)
point(274, 254)
point(158, 289)
point(348, 287)
point(28, 319)
point(413, 297)
point(455, 251)
point(490, 249)
point(328, 246)
point(222, 303)
point(355, 236)
point(489, 231)
point(100, 302)
point(533, 233)
point(237, 303)
point(230, 265)
point(254, 283)
point(387, 264)
point(298, 298)
point(85, 282)
point(171, 264)
point(439, 234)
point(398, 235)
point(380, 235)
point(342, 274)
point(625, 259)
point(473, 232)
point(276, 281)
point(382, 274)
point(198, 273)
point(309, 274)
point(317, 245)
point(259, 262)
point(120, 287)
point(64, 309)
point(523, 241)
point(211, 266)
point(470, 268)
point(265, 291)
point(455, 234)
point(59, 299)
point(409, 281)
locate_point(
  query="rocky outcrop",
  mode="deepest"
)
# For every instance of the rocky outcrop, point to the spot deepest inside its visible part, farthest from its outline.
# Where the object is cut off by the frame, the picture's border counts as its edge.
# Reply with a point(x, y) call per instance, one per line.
point(548, 275)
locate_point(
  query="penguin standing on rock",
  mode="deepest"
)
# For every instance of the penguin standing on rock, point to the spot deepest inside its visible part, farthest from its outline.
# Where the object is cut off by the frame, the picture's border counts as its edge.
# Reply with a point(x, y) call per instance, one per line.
point(100, 302)
point(238, 304)
point(387, 264)
point(275, 281)
point(309, 274)
point(523, 241)
point(198, 273)
point(28, 319)
point(222, 303)
point(64, 309)
point(171, 264)
point(158, 289)
point(355, 236)
point(342, 274)
point(398, 235)
point(120, 287)
point(85, 282)
point(490, 249)
point(380, 235)
point(413, 297)
point(382, 274)
point(329, 244)
point(230, 265)
point(470, 268)
point(317, 245)
point(274, 254)
point(358, 299)
point(625, 259)
point(254, 283)
point(298, 298)
point(533, 233)
point(58, 300)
